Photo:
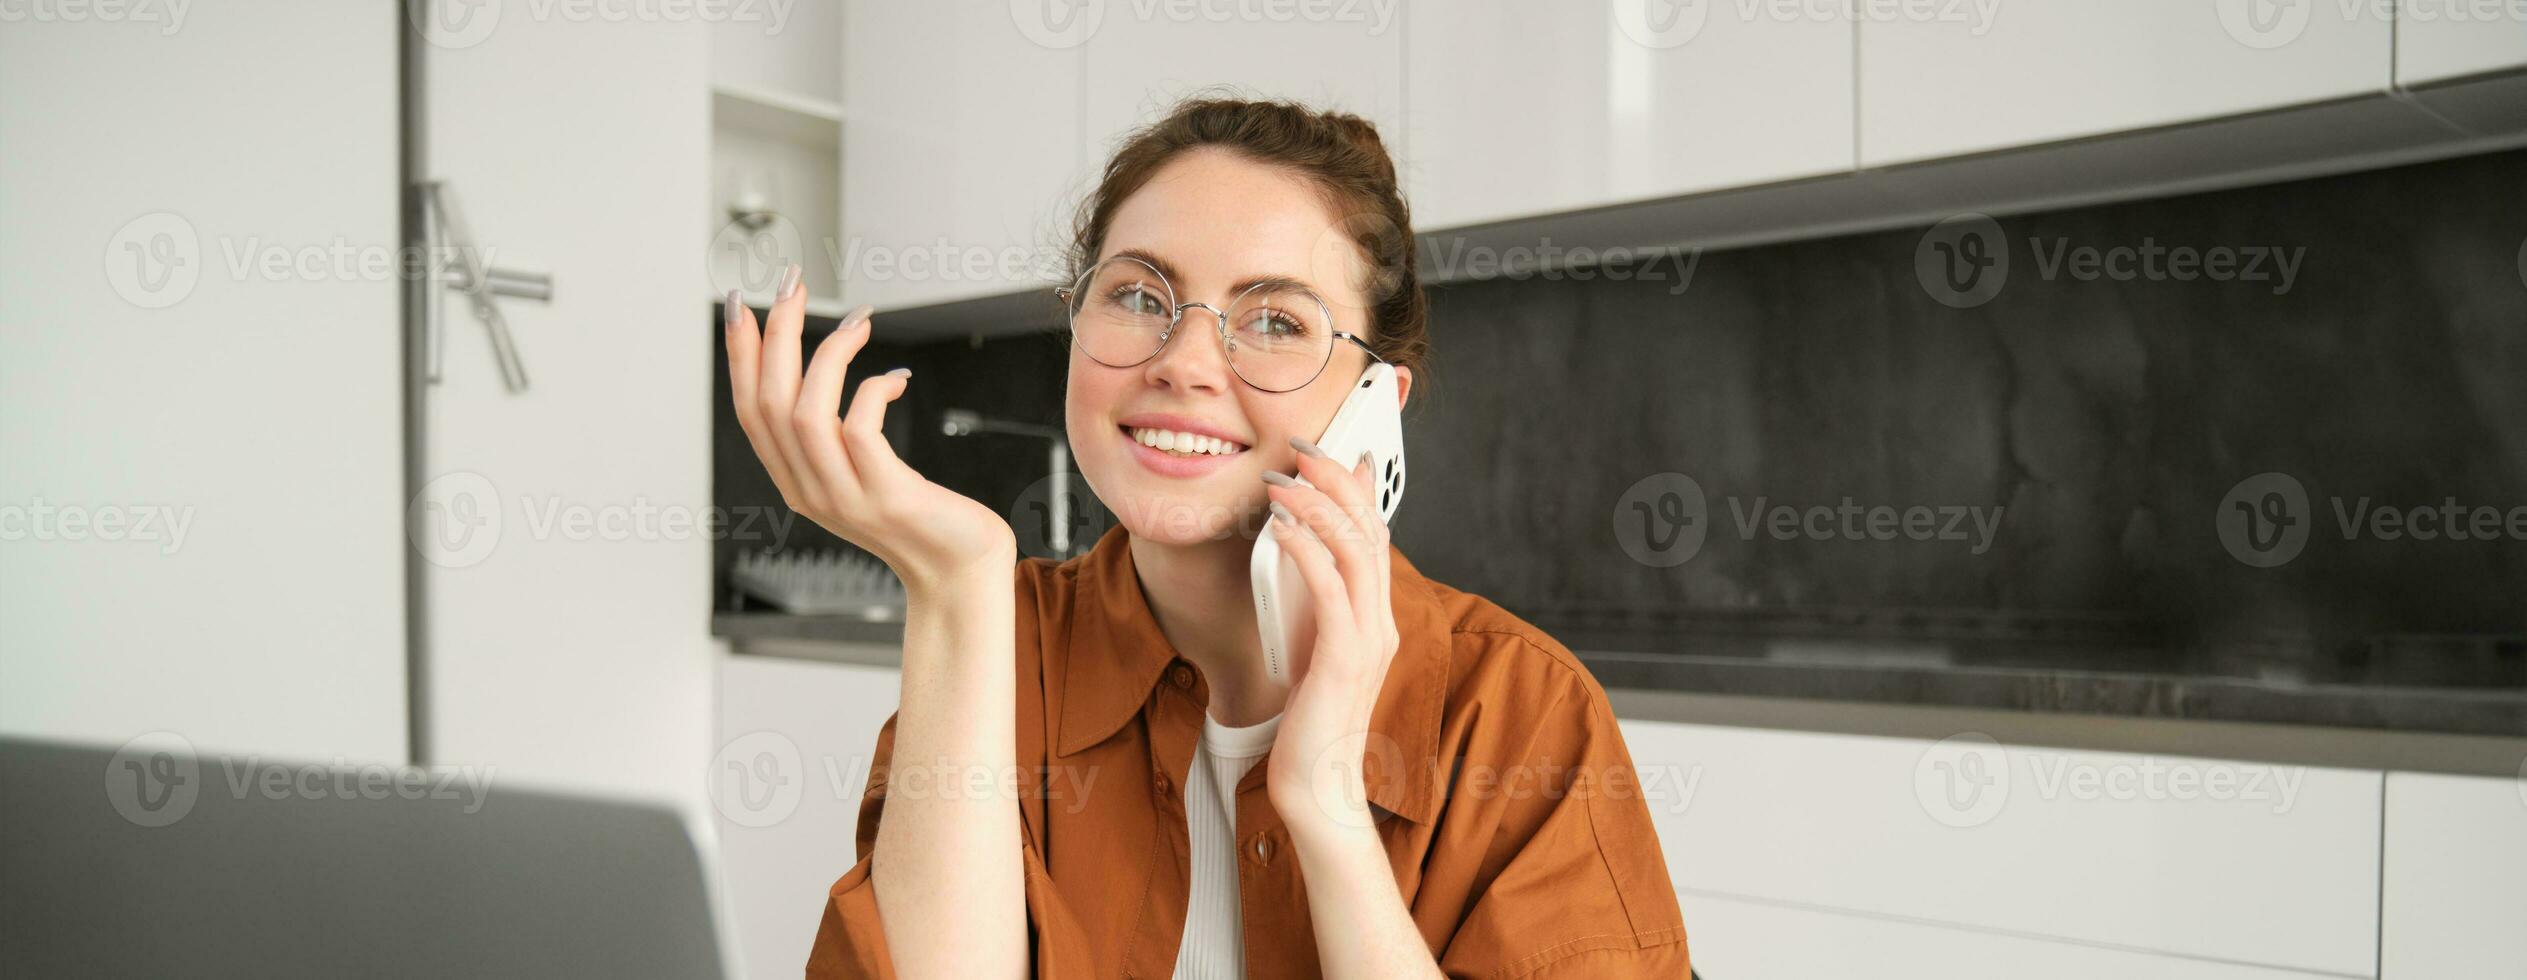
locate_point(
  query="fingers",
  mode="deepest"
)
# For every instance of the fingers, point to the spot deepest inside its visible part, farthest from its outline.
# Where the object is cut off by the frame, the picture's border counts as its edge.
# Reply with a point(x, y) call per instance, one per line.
point(1337, 509)
point(745, 357)
point(777, 384)
point(1324, 582)
point(864, 433)
point(814, 421)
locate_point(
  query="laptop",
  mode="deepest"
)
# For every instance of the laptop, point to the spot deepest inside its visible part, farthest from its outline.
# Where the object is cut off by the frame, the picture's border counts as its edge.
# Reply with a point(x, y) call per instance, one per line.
point(146, 860)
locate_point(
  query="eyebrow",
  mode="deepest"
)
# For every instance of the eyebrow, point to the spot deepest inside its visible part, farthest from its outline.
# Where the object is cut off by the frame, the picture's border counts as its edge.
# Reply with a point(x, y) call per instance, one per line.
point(1169, 270)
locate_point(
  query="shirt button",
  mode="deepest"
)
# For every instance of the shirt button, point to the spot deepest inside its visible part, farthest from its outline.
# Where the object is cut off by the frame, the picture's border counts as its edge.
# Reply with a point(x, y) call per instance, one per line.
point(1263, 849)
point(1160, 781)
point(1180, 675)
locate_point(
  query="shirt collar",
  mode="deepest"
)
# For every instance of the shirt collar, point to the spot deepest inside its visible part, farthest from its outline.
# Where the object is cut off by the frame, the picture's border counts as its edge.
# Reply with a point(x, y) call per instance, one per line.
point(1117, 655)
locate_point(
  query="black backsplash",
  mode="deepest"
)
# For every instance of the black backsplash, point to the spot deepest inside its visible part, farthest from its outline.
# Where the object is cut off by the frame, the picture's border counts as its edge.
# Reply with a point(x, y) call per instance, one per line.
point(2106, 419)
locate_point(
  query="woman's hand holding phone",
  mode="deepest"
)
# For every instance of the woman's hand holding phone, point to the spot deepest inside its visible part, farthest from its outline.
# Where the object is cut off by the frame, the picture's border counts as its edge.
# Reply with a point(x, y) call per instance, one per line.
point(837, 469)
point(1340, 544)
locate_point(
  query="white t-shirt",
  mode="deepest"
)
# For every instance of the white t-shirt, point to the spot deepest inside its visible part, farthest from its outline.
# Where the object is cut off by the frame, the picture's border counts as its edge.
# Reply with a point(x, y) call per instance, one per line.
point(1214, 946)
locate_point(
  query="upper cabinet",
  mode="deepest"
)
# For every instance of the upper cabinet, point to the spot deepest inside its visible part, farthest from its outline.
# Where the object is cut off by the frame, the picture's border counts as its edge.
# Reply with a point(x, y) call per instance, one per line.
point(961, 150)
point(2450, 39)
point(1524, 107)
point(1995, 74)
point(1143, 57)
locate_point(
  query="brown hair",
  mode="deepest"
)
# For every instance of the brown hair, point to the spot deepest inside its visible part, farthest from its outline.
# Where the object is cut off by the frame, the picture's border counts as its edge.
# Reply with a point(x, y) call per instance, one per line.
point(1339, 151)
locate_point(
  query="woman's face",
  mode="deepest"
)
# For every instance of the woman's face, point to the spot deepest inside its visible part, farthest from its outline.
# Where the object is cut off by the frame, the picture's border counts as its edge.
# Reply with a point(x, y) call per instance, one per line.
point(1214, 219)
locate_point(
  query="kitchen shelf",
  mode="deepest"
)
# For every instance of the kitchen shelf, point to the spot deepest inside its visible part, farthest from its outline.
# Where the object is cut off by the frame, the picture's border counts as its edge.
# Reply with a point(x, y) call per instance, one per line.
point(781, 115)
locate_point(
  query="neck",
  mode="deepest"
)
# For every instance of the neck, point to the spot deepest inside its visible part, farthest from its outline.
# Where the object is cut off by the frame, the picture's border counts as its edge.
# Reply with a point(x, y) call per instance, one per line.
point(1199, 593)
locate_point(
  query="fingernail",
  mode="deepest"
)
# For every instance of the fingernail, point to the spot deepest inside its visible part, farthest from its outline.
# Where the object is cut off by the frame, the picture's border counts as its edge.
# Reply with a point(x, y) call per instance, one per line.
point(789, 281)
point(900, 373)
point(1279, 479)
point(1307, 447)
point(858, 317)
point(1283, 514)
point(729, 315)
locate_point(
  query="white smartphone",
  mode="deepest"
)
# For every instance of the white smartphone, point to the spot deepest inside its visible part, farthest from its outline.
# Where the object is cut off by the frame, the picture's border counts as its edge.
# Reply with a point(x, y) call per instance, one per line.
point(1370, 423)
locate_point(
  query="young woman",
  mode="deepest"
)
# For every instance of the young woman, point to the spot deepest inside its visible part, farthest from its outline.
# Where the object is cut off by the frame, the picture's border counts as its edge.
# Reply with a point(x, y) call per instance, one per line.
point(1091, 773)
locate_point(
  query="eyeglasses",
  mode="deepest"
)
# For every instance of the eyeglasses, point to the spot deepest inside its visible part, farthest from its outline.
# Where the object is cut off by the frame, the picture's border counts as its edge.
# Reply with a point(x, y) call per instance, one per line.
point(1279, 335)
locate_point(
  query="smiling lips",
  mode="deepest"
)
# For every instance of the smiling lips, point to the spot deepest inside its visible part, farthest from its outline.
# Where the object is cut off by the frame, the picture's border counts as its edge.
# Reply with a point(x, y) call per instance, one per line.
point(1174, 452)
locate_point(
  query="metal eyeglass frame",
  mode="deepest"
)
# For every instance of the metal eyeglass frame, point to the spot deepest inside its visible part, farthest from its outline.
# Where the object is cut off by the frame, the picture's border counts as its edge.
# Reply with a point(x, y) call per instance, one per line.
point(1176, 317)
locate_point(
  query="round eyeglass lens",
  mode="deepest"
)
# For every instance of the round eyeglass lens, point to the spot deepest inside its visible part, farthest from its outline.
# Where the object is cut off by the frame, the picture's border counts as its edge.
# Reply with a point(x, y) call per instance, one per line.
point(1120, 311)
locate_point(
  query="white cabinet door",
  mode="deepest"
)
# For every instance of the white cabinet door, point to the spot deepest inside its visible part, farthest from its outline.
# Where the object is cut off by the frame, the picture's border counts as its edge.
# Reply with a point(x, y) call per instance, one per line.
point(2439, 40)
point(568, 601)
point(2456, 876)
point(961, 151)
point(1970, 77)
point(1743, 940)
point(1523, 107)
point(1142, 57)
point(201, 438)
point(795, 741)
point(2231, 861)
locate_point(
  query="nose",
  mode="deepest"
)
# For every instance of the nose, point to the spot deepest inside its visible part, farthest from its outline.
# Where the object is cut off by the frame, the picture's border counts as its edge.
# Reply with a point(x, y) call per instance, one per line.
point(1194, 360)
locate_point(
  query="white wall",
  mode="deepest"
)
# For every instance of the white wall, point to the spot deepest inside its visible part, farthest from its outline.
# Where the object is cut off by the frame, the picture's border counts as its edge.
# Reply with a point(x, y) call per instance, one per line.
point(261, 409)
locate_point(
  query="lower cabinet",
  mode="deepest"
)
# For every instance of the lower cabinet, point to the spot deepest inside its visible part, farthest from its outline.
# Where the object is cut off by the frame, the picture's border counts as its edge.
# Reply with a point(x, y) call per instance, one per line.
point(793, 753)
point(2456, 877)
point(2037, 852)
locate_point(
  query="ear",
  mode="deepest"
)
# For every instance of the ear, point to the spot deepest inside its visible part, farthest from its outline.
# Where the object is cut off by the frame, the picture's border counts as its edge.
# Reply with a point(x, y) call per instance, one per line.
point(1403, 385)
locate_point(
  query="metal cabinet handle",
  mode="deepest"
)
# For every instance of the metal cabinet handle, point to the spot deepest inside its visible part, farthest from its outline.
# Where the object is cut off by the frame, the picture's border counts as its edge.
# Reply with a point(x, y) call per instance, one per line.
point(452, 253)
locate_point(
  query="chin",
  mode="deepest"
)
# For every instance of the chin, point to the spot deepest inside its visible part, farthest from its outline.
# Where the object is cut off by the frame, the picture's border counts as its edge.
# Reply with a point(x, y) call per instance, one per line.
point(1174, 511)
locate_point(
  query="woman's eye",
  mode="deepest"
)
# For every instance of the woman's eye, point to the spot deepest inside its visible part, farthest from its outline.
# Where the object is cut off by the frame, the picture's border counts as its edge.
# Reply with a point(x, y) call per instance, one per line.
point(1274, 324)
point(1138, 301)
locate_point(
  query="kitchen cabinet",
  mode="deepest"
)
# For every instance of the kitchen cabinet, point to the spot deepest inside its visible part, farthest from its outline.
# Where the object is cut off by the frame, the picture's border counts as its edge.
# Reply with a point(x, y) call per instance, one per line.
point(962, 153)
point(2456, 876)
point(2196, 858)
point(1943, 80)
point(1748, 940)
point(793, 756)
point(2444, 41)
point(1143, 57)
point(1522, 108)
point(201, 440)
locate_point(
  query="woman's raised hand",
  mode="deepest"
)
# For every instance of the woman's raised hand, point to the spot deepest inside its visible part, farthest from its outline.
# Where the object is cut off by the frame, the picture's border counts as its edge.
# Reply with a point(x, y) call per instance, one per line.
point(837, 469)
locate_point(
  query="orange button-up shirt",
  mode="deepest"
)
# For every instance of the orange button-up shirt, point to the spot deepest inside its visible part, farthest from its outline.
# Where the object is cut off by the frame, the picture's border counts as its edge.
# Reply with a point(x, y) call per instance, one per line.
point(1503, 793)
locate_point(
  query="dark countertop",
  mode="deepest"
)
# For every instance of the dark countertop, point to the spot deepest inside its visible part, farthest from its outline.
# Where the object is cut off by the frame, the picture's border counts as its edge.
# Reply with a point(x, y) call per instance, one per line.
point(2068, 679)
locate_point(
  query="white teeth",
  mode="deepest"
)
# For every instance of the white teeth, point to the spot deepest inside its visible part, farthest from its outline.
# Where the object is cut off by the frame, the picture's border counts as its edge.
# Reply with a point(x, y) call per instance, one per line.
point(1184, 442)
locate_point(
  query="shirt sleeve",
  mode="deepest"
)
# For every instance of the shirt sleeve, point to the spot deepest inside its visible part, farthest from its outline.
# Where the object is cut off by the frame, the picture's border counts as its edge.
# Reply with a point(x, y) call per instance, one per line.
point(1585, 890)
